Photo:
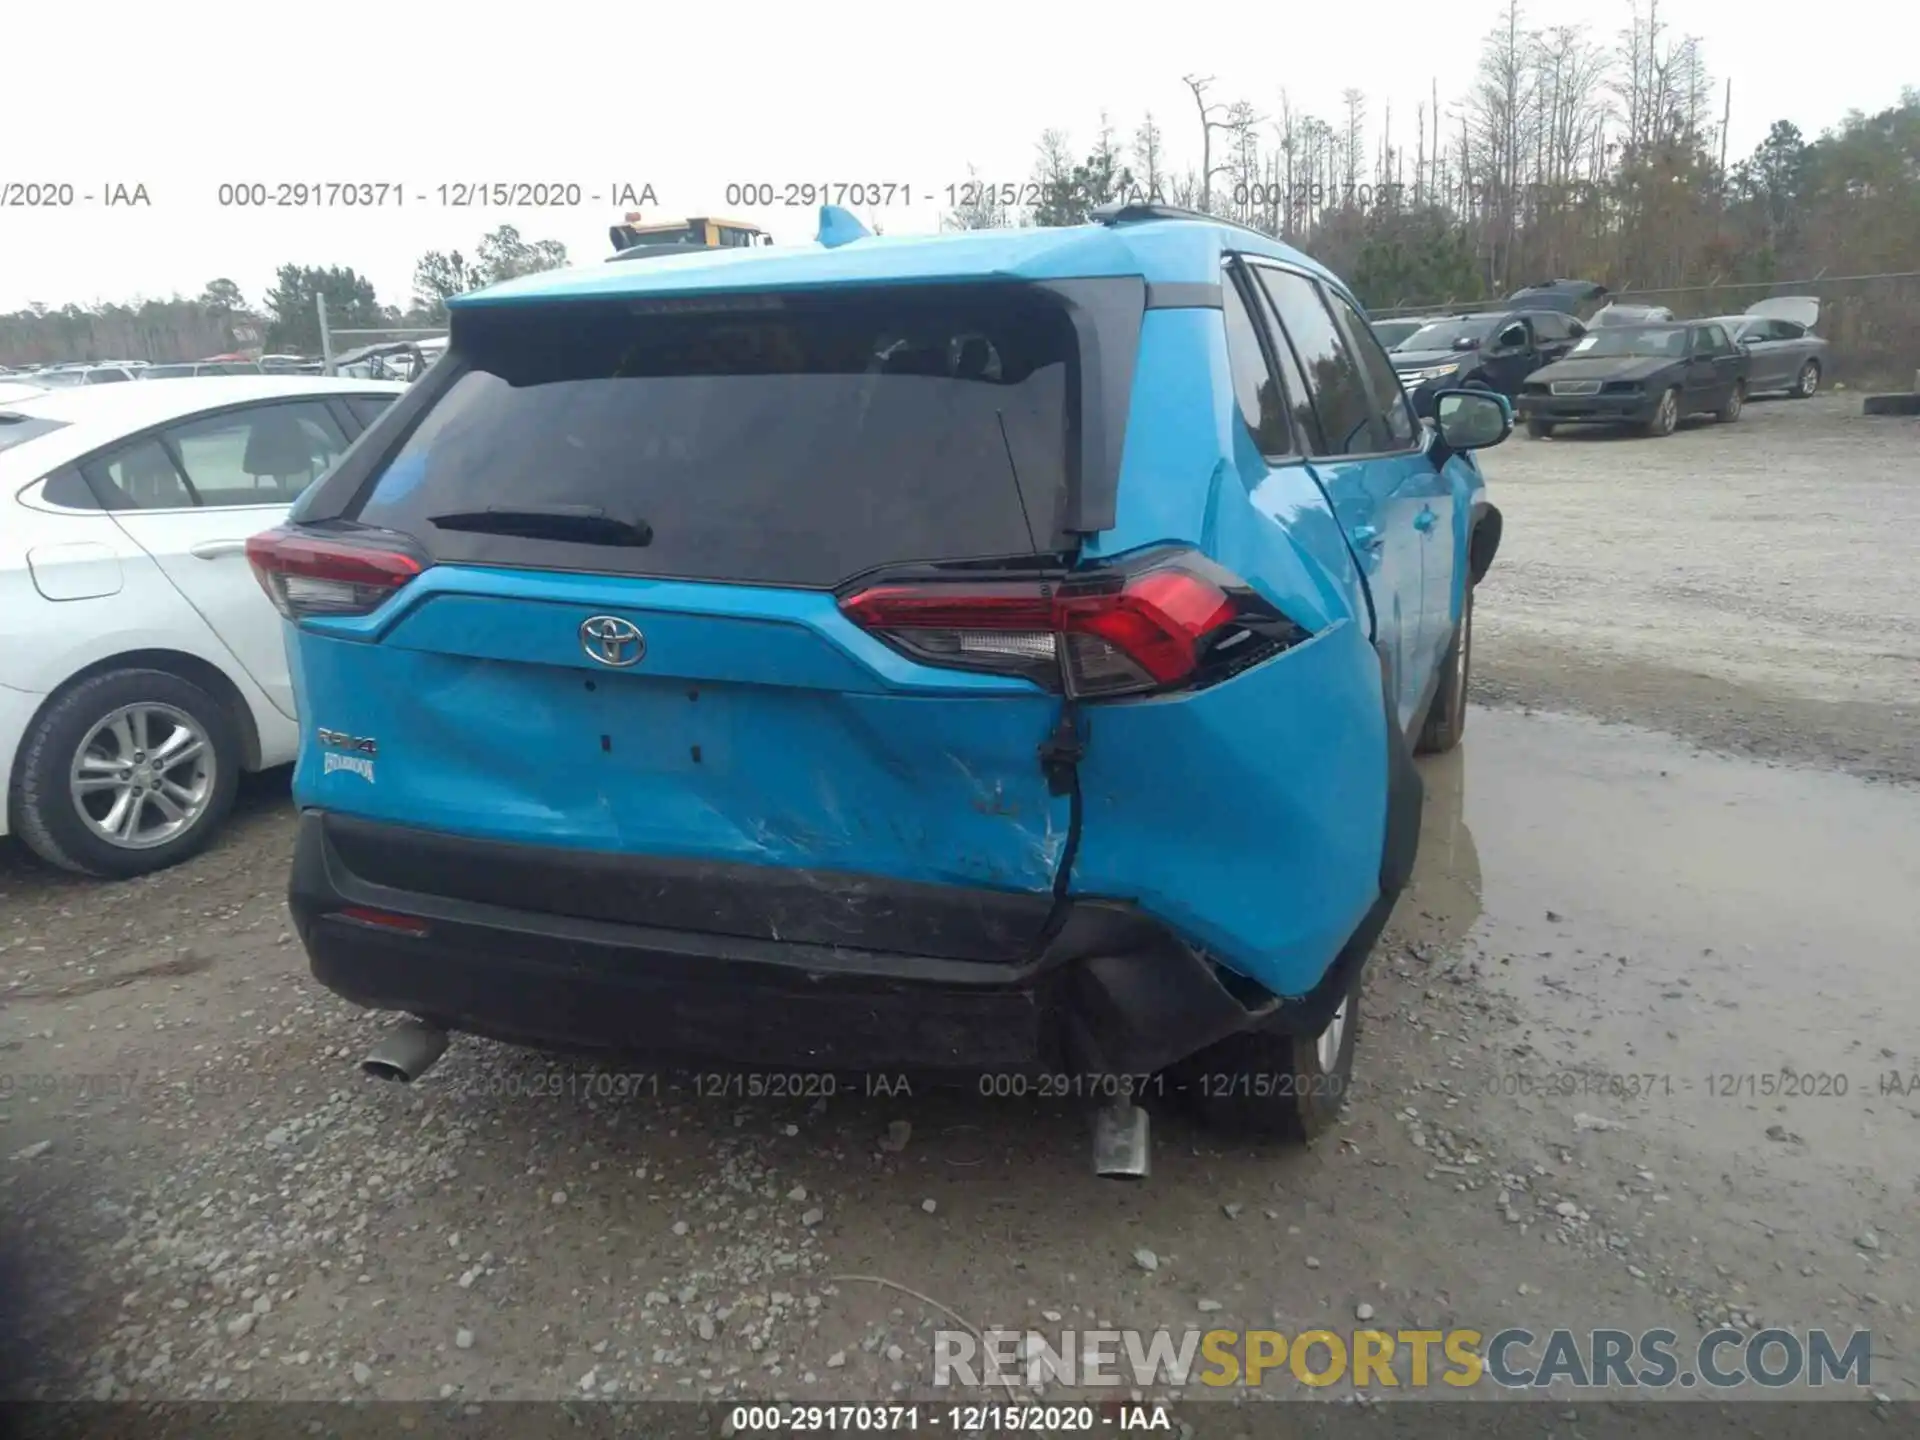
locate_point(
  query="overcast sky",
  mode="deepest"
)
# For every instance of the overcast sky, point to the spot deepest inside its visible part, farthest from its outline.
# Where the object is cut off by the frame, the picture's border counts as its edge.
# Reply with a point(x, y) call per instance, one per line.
point(183, 96)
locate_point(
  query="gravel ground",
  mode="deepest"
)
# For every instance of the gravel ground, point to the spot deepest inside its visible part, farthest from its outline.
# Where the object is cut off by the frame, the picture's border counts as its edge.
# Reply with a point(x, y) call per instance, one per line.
point(1755, 587)
point(212, 1203)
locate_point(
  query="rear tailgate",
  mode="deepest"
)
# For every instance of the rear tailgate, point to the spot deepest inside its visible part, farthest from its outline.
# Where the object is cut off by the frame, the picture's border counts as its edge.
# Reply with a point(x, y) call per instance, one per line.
point(626, 636)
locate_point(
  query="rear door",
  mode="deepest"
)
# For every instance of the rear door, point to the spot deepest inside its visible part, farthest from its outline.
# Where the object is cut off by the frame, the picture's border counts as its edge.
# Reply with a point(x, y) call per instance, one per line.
point(630, 638)
point(1370, 461)
point(194, 491)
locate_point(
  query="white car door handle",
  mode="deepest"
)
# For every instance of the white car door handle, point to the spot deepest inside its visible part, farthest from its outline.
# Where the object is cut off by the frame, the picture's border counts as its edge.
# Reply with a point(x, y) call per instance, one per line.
point(214, 549)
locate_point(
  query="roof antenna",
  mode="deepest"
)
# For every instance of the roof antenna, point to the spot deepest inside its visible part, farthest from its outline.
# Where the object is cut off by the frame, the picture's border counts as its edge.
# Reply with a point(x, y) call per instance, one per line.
point(838, 227)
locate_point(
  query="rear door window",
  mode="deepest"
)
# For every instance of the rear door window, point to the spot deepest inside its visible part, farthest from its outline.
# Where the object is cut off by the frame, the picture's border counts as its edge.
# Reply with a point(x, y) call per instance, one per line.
point(264, 455)
point(1339, 392)
point(788, 441)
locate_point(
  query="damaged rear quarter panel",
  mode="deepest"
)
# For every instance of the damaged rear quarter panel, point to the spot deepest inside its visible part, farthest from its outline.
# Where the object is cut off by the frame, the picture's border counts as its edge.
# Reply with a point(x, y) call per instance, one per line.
point(1251, 815)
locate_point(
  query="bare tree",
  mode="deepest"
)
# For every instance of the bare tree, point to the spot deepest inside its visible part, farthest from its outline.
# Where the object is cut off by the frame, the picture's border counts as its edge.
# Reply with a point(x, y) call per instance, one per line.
point(1213, 116)
point(1149, 163)
point(1352, 143)
point(981, 207)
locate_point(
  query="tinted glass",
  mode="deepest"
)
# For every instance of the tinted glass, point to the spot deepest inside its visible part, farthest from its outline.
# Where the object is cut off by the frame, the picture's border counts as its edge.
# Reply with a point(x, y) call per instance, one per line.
point(1551, 327)
point(798, 442)
point(1396, 416)
point(167, 372)
point(68, 488)
point(366, 408)
point(107, 377)
point(140, 477)
point(1259, 397)
point(1333, 375)
point(17, 429)
point(265, 455)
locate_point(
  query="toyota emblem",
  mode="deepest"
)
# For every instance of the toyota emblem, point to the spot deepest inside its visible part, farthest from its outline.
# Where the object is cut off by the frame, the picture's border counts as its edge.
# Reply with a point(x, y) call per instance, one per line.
point(612, 641)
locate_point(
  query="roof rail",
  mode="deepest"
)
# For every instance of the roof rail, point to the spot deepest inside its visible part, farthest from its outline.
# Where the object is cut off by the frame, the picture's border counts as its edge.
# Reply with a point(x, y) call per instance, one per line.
point(1124, 212)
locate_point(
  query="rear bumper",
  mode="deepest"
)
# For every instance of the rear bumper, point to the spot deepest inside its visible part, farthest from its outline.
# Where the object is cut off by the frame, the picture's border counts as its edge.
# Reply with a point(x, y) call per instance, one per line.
point(1099, 988)
point(1582, 409)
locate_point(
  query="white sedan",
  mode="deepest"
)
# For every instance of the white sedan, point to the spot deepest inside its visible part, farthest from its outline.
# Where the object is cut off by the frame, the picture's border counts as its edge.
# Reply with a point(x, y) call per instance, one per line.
point(141, 666)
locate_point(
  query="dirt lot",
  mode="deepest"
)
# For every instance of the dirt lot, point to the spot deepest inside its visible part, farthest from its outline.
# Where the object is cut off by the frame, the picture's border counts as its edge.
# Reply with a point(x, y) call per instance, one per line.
point(215, 1203)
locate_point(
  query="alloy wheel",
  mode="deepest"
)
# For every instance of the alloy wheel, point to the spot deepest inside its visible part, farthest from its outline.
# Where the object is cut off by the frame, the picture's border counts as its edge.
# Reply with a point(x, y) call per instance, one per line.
point(143, 775)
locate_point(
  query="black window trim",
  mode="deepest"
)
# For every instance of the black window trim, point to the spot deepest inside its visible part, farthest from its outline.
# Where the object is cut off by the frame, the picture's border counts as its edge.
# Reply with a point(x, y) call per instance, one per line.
point(1420, 434)
point(1233, 274)
point(157, 432)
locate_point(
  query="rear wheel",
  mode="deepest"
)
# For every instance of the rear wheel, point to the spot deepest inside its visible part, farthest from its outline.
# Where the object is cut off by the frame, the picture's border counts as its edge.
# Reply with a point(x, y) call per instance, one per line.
point(1807, 381)
point(1736, 398)
point(1269, 1085)
point(1665, 417)
point(1446, 718)
point(1539, 429)
point(127, 773)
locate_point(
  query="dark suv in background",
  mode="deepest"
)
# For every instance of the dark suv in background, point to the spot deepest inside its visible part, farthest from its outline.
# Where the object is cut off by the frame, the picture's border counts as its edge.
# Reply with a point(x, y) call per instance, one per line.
point(1485, 349)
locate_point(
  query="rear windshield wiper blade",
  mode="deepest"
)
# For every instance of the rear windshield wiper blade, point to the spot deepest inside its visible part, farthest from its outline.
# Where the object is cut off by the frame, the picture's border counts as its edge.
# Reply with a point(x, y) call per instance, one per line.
point(575, 524)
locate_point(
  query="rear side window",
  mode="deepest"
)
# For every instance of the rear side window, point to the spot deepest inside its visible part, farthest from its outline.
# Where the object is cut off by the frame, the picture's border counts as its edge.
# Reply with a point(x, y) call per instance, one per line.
point(1333, 374)
point(1261, 405)
point(797, 441)
point(142, 476)
point(366, 408)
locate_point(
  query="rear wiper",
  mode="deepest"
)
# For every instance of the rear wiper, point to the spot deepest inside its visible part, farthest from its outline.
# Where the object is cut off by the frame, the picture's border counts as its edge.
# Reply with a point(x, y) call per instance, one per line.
point(575, 524)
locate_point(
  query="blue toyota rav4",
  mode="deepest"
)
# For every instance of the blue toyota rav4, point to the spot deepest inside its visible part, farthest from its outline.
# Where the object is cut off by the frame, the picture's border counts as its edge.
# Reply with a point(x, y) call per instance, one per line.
point(963, 653)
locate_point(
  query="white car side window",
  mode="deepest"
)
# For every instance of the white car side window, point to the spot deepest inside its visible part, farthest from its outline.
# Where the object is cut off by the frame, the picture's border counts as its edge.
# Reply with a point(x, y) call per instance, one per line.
point(265, 455)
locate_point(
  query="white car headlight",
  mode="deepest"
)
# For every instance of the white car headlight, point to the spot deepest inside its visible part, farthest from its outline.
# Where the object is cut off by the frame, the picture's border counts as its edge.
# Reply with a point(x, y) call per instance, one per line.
point(1430, 372)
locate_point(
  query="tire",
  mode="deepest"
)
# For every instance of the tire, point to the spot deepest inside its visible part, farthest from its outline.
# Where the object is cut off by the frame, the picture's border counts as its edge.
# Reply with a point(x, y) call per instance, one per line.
point(1666, 416)
point(1446, 719)
point(1540, 429)
point(1736, 399)
point(1263, 1084)
point(1807, 381)
point(168, 814)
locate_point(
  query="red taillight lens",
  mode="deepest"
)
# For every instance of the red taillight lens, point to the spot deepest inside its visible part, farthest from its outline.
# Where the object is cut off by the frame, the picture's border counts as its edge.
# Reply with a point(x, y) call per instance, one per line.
point(313, 575)
point(1119, 630)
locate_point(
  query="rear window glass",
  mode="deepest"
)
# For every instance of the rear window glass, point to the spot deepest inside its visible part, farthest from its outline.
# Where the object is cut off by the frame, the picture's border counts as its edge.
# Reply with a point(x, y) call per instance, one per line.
point(17, 429)
point(800, 444)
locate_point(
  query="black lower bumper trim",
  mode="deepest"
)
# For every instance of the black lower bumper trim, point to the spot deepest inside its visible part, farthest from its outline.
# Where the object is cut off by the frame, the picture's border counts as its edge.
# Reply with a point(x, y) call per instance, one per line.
point(1113, 992)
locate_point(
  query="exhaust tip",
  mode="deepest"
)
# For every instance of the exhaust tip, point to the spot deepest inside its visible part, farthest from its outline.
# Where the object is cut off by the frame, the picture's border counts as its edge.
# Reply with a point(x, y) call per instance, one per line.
point(405, 1053)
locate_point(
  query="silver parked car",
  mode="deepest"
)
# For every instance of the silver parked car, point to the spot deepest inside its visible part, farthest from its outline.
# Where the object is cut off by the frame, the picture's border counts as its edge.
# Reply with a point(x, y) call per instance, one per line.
point(1778, 336)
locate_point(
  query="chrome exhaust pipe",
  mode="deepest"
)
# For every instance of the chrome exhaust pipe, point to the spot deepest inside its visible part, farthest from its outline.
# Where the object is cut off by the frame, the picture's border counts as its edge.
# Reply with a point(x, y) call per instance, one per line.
point(1120, 1142)
point(406, 1052)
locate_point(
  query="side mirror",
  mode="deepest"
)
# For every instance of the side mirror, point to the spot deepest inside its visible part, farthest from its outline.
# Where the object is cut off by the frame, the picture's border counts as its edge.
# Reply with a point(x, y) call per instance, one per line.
point(1472, 419)
point(1514, 337)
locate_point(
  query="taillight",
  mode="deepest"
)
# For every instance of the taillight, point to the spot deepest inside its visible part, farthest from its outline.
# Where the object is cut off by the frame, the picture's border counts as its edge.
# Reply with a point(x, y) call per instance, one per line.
point(1164, 621)
point(316, 575)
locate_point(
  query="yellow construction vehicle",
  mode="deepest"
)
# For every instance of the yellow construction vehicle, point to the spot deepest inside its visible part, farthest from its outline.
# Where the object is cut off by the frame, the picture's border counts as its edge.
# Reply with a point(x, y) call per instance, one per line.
point(634, 238)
